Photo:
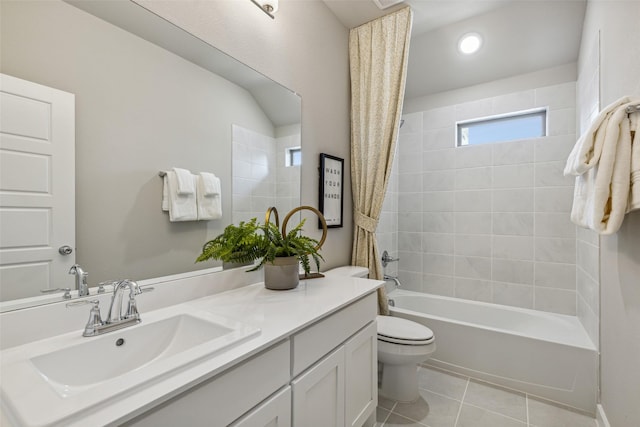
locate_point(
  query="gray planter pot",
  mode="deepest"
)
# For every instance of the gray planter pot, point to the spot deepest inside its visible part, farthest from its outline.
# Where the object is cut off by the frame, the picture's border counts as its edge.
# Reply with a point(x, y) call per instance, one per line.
point(282, 274)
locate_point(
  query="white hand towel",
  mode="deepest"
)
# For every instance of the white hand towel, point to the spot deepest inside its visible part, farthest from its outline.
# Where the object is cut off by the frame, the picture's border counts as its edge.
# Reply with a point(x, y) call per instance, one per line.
point(165, 193)
point(634, 192)
point(209, 206)
point(185, 182)
point(181, 207)
point(210, 184)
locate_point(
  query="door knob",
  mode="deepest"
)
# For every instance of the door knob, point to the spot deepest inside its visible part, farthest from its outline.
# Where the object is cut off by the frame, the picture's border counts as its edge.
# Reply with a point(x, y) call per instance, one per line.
point(65, 250)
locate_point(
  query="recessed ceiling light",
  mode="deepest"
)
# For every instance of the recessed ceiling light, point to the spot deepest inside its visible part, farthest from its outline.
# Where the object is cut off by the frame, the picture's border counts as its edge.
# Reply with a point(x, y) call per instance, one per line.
point(470, 43)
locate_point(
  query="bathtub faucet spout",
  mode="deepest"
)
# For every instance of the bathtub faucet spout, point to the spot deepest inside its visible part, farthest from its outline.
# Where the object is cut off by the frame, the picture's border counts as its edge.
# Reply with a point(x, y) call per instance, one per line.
point(394, 278)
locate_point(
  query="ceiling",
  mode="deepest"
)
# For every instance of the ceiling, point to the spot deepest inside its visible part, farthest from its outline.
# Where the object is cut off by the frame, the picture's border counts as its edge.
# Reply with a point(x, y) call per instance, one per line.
point(520, 36)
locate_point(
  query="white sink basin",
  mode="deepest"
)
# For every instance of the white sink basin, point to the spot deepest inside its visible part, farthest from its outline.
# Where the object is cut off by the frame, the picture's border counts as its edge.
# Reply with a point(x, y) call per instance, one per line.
point(80, 372)
point(124, 351)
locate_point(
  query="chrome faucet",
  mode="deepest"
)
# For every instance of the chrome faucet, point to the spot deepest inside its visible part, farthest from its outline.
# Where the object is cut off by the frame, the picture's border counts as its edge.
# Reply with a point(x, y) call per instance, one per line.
point(81, 280)
point(393, 278)
point(115, 319)
point(115, 310)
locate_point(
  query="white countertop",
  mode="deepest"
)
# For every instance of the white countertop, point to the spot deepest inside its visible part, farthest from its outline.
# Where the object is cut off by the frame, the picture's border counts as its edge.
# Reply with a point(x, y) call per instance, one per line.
point(278, 315)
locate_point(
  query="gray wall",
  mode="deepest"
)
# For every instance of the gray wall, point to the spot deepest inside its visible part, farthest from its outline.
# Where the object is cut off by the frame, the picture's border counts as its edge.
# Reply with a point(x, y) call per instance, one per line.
point(619, 255)
point(306, 49)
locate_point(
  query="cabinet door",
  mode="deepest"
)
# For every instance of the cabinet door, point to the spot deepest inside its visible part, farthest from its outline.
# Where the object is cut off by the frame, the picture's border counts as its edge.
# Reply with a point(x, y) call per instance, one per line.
point(275, 412)
point(361, 382)
point(318, 393)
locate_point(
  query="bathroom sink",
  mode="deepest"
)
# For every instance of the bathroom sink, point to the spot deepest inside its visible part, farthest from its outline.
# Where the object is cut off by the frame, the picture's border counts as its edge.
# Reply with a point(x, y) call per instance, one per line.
point(70, 373)
point(96, 360)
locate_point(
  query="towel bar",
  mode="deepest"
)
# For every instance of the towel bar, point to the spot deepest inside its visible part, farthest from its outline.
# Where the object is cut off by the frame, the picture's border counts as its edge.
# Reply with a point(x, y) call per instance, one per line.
point(633, 109)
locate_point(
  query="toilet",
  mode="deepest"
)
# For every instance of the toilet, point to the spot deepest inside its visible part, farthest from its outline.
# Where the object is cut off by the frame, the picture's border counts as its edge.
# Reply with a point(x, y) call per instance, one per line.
point(402, 345)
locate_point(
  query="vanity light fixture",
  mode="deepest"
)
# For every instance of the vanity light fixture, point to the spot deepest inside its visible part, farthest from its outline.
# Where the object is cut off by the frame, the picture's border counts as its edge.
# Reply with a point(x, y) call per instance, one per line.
point(270, 7)
point(470, 43)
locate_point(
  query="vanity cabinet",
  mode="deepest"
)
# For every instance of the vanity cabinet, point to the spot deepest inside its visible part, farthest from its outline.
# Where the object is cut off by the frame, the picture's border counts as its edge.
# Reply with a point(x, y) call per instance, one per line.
point(324, 375)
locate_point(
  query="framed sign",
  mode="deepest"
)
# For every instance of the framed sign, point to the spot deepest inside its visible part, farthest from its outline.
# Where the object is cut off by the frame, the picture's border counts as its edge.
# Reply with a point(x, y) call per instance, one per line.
point(331, 189)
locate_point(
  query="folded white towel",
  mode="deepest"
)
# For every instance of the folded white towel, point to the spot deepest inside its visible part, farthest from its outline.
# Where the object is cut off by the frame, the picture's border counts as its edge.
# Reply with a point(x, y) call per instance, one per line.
point(210, 184)
point(209, 200)
point(181, 207)
point(185, 182)
point(634, 192)
point(602, 188)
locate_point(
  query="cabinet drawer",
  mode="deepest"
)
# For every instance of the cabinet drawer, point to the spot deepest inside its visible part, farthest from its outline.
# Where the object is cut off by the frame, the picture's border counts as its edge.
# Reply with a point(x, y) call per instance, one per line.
point(223, 399)
point(319, 339)
point(275, 412)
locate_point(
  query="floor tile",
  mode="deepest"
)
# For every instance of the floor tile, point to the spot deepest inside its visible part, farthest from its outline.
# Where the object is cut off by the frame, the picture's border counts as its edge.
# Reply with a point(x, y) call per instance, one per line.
point(471, 416)
point(385, 403)
point(381, 416)
point(440, 382)
point(396, 420)
point(430, 409)
point(542, 414)
point(496, 399)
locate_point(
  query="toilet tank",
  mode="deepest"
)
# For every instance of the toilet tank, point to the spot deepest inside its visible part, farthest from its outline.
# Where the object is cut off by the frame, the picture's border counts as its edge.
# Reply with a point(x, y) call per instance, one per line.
point(349, 270)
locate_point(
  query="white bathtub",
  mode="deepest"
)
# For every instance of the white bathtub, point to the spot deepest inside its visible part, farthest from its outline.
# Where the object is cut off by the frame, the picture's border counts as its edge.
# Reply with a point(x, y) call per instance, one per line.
point(544, 354)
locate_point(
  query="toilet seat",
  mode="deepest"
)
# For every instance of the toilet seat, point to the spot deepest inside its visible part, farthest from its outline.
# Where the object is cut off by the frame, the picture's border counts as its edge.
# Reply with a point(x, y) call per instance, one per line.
point(396, 330)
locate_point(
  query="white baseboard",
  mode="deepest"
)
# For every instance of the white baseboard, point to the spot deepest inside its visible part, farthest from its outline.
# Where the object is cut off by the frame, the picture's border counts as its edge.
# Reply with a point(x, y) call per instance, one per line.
point(601, 417)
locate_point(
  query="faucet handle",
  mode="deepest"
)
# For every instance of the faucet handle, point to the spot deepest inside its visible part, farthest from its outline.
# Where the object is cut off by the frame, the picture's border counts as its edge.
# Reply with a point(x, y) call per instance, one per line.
point(67, 292)
point(95, 320)
point(101, 285)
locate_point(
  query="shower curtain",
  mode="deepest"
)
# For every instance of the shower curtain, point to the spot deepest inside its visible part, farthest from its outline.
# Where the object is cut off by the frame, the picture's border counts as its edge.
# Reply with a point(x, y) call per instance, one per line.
point(378, 52)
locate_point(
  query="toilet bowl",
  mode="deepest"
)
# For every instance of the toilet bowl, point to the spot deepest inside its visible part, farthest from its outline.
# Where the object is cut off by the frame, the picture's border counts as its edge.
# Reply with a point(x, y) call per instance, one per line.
point(402, 345)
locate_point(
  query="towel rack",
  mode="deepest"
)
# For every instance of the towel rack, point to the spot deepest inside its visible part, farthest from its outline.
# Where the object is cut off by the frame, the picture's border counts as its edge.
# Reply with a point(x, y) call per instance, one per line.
point(633, 109)
point(162, 173)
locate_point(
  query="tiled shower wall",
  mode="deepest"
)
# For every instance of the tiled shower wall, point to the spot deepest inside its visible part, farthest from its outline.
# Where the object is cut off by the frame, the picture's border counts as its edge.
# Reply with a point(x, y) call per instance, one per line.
point(489, 222)
point(588, 242)
point(260, 177)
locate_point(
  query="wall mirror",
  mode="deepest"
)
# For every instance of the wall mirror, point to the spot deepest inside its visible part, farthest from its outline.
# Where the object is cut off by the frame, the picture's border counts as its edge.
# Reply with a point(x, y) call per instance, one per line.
point(148, 97)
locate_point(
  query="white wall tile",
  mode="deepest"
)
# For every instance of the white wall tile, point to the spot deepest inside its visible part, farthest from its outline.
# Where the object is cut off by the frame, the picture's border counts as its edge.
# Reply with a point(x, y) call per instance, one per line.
point(473, 201)
point(553, 199)
point(554, 148)
point(409, 242)
point(555, 250)
point(513, 102)
point(438, 243)
point(412, 123)
point(554, 225)
point(513, 152)
point(513, 176)
point(410, 202)
point(409, 143)
point(473, 267)
point(438, 201)
point(473, 156)
point(473, 245)
point(512, 294)
point(438, 285)
point(438, 222)
point(519, 200)
point(437, 181)
point(557, 96)
point(410, 261)
point(555, 300)
point(472, 223)
point(438, 264)
point(550, 175)
point(473, 289)
point(512, 271)
point(512, 247)
point(411, 162)
point(513, 223)
point(438, 159)
point(438, 118)
point(439, 139)
point(474, 178)
point(555, 275)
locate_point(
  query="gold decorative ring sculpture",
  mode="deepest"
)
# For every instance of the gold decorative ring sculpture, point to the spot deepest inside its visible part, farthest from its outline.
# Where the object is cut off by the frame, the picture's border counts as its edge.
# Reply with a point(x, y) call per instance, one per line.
point(267, 216)
point(315, 211)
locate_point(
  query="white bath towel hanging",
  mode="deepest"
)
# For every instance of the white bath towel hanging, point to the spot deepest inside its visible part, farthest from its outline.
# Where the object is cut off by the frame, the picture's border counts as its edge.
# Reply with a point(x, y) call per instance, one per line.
point(601, 160)
point(165, 192)
point(634, 191)
point(208, 197)
point(181, 207)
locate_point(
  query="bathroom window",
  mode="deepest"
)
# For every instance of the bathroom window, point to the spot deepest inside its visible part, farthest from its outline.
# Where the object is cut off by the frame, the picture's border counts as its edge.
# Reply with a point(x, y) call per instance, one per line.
point(505, 127)
point(294, 156)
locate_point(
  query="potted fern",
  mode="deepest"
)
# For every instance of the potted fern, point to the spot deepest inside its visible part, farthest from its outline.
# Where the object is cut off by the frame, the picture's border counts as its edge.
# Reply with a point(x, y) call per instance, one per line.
point(280, 253)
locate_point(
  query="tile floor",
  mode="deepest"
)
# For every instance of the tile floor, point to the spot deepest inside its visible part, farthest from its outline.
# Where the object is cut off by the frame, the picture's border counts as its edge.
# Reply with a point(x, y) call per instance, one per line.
point(451, 400)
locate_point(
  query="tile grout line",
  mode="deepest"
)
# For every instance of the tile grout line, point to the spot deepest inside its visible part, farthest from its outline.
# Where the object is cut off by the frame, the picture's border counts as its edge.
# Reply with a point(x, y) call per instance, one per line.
point(462, 401)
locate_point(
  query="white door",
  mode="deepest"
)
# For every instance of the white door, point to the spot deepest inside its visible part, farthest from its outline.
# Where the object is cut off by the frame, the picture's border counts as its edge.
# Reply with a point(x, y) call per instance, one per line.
point(318, 394)
point(37, 187)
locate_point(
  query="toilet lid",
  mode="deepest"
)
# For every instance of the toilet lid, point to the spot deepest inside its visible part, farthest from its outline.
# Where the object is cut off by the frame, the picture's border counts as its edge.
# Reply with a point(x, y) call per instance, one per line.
point(402, 331)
